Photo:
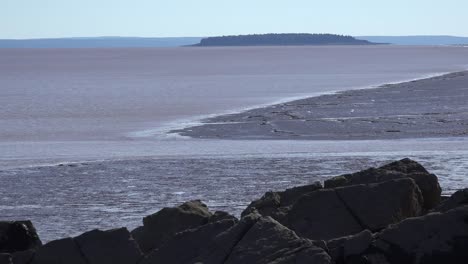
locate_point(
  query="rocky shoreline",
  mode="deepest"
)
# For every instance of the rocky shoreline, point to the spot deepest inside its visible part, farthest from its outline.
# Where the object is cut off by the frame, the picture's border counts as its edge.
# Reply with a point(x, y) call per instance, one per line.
point(426, 108)
point(391, 214)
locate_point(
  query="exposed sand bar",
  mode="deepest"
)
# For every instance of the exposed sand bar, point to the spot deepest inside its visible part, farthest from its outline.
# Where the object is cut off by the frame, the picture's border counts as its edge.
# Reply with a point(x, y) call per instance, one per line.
point(426, 108)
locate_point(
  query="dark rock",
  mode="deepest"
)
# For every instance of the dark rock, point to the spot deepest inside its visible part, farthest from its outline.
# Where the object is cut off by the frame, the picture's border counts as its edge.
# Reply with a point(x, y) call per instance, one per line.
point(322, 215)
point(406, 168)
point(267, 205)
point(433, 238)
point(224, 242)
point(267, 241)
point(18, 236)
point(23, 257)
point(375, 206)
point(430, 188)
point(192, 242)
point(220, 215)
point(109, 247)
point(459, 198)
point(163, 225)
point(276, 203)
point(5, 258)
point(332, 213)
point(344, 249)
point(62, 251)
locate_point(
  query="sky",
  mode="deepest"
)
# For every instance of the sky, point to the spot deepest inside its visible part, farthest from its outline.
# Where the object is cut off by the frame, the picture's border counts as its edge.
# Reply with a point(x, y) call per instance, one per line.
point(21, 19)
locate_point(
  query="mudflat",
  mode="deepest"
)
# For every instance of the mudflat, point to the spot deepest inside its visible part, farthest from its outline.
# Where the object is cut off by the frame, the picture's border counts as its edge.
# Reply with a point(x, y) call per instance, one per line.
point(427, 108)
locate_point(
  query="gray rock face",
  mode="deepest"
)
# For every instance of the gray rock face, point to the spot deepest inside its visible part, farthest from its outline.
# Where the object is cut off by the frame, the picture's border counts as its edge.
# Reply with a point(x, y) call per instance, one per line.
point(224, 243)
point(375, 206)
point(267, 241)
point(18, 236)
point(459, 198)
point(405, 168)
point(434, 238)
point(63, 251)
point(220, 215)
point(161, 226)
point(23, 257)
point(109, 247)
point(254, 239)
point(332, 213)
point(346, 249)
point(276, 203)
point(322, 215)
point(5, 258)
point(192, 242)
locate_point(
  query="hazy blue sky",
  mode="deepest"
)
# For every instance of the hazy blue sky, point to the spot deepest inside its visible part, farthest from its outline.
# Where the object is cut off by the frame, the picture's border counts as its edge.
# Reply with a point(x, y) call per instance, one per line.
point(162, 18)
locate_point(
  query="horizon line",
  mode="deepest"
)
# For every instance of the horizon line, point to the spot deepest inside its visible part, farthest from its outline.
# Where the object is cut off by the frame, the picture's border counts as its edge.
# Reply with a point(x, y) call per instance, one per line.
point(154, 37)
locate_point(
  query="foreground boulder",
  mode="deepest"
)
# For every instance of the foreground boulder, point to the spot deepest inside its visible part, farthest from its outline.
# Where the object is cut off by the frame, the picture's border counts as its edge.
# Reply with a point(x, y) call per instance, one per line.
point(23, 257)
point(405, 168)
point(161, 226)
point(214, 248)
point(434, 238)
point(330, 213)
point(349, 248)
point(18, 236)
point(94, 247)
point(5, 258)
point(276, 204)
point(109, 247)
point(254, 239)
point(59, 252)
point(267, 241)
point(459, 198)
point(192, 241)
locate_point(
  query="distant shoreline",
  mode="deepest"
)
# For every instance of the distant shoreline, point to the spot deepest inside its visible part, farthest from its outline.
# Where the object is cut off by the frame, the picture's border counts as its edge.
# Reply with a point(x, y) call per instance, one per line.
point(282, 40)
point(390, 111)
point(152, 42)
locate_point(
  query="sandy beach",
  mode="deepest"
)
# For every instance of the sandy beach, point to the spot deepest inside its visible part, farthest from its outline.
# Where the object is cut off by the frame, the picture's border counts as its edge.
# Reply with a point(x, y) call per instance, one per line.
point(427, 108)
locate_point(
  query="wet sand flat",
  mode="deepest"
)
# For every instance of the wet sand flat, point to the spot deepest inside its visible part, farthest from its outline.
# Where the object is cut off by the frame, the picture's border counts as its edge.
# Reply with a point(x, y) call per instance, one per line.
point(427, 108)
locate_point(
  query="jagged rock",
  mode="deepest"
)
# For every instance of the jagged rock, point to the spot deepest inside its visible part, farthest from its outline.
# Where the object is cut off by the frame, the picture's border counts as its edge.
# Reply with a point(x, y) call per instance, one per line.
point(458, 199)
point(18, 236)
point(276, 203)
point(267, 205)
point(433, 238)
point(62, 251)
point(5, 258)
point(375, 206)
point(220, 215)
point(349, 248)
point(23, 257)
point(109, 247)
point(322, 215)
point(163, 225)
point(224, 242)
point(267, 241)
point(405, 168)
point(332, 213)
point(192, 242)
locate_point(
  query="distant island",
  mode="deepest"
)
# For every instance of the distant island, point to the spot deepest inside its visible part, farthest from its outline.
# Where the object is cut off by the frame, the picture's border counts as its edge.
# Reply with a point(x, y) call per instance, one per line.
point(282, 40)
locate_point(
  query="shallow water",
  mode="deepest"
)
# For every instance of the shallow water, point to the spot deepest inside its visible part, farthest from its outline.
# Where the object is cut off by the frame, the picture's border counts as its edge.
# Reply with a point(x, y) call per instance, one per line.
point(113, 94)
point(71, 198)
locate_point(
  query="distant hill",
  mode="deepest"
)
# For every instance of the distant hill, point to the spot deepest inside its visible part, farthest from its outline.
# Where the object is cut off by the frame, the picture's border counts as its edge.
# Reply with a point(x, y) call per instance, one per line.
point(99, 42)
point(417, 40)
point(281, 40)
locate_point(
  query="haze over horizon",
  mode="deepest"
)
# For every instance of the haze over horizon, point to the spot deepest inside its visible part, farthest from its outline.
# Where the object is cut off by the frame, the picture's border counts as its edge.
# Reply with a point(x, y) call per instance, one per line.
point(27, 19)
